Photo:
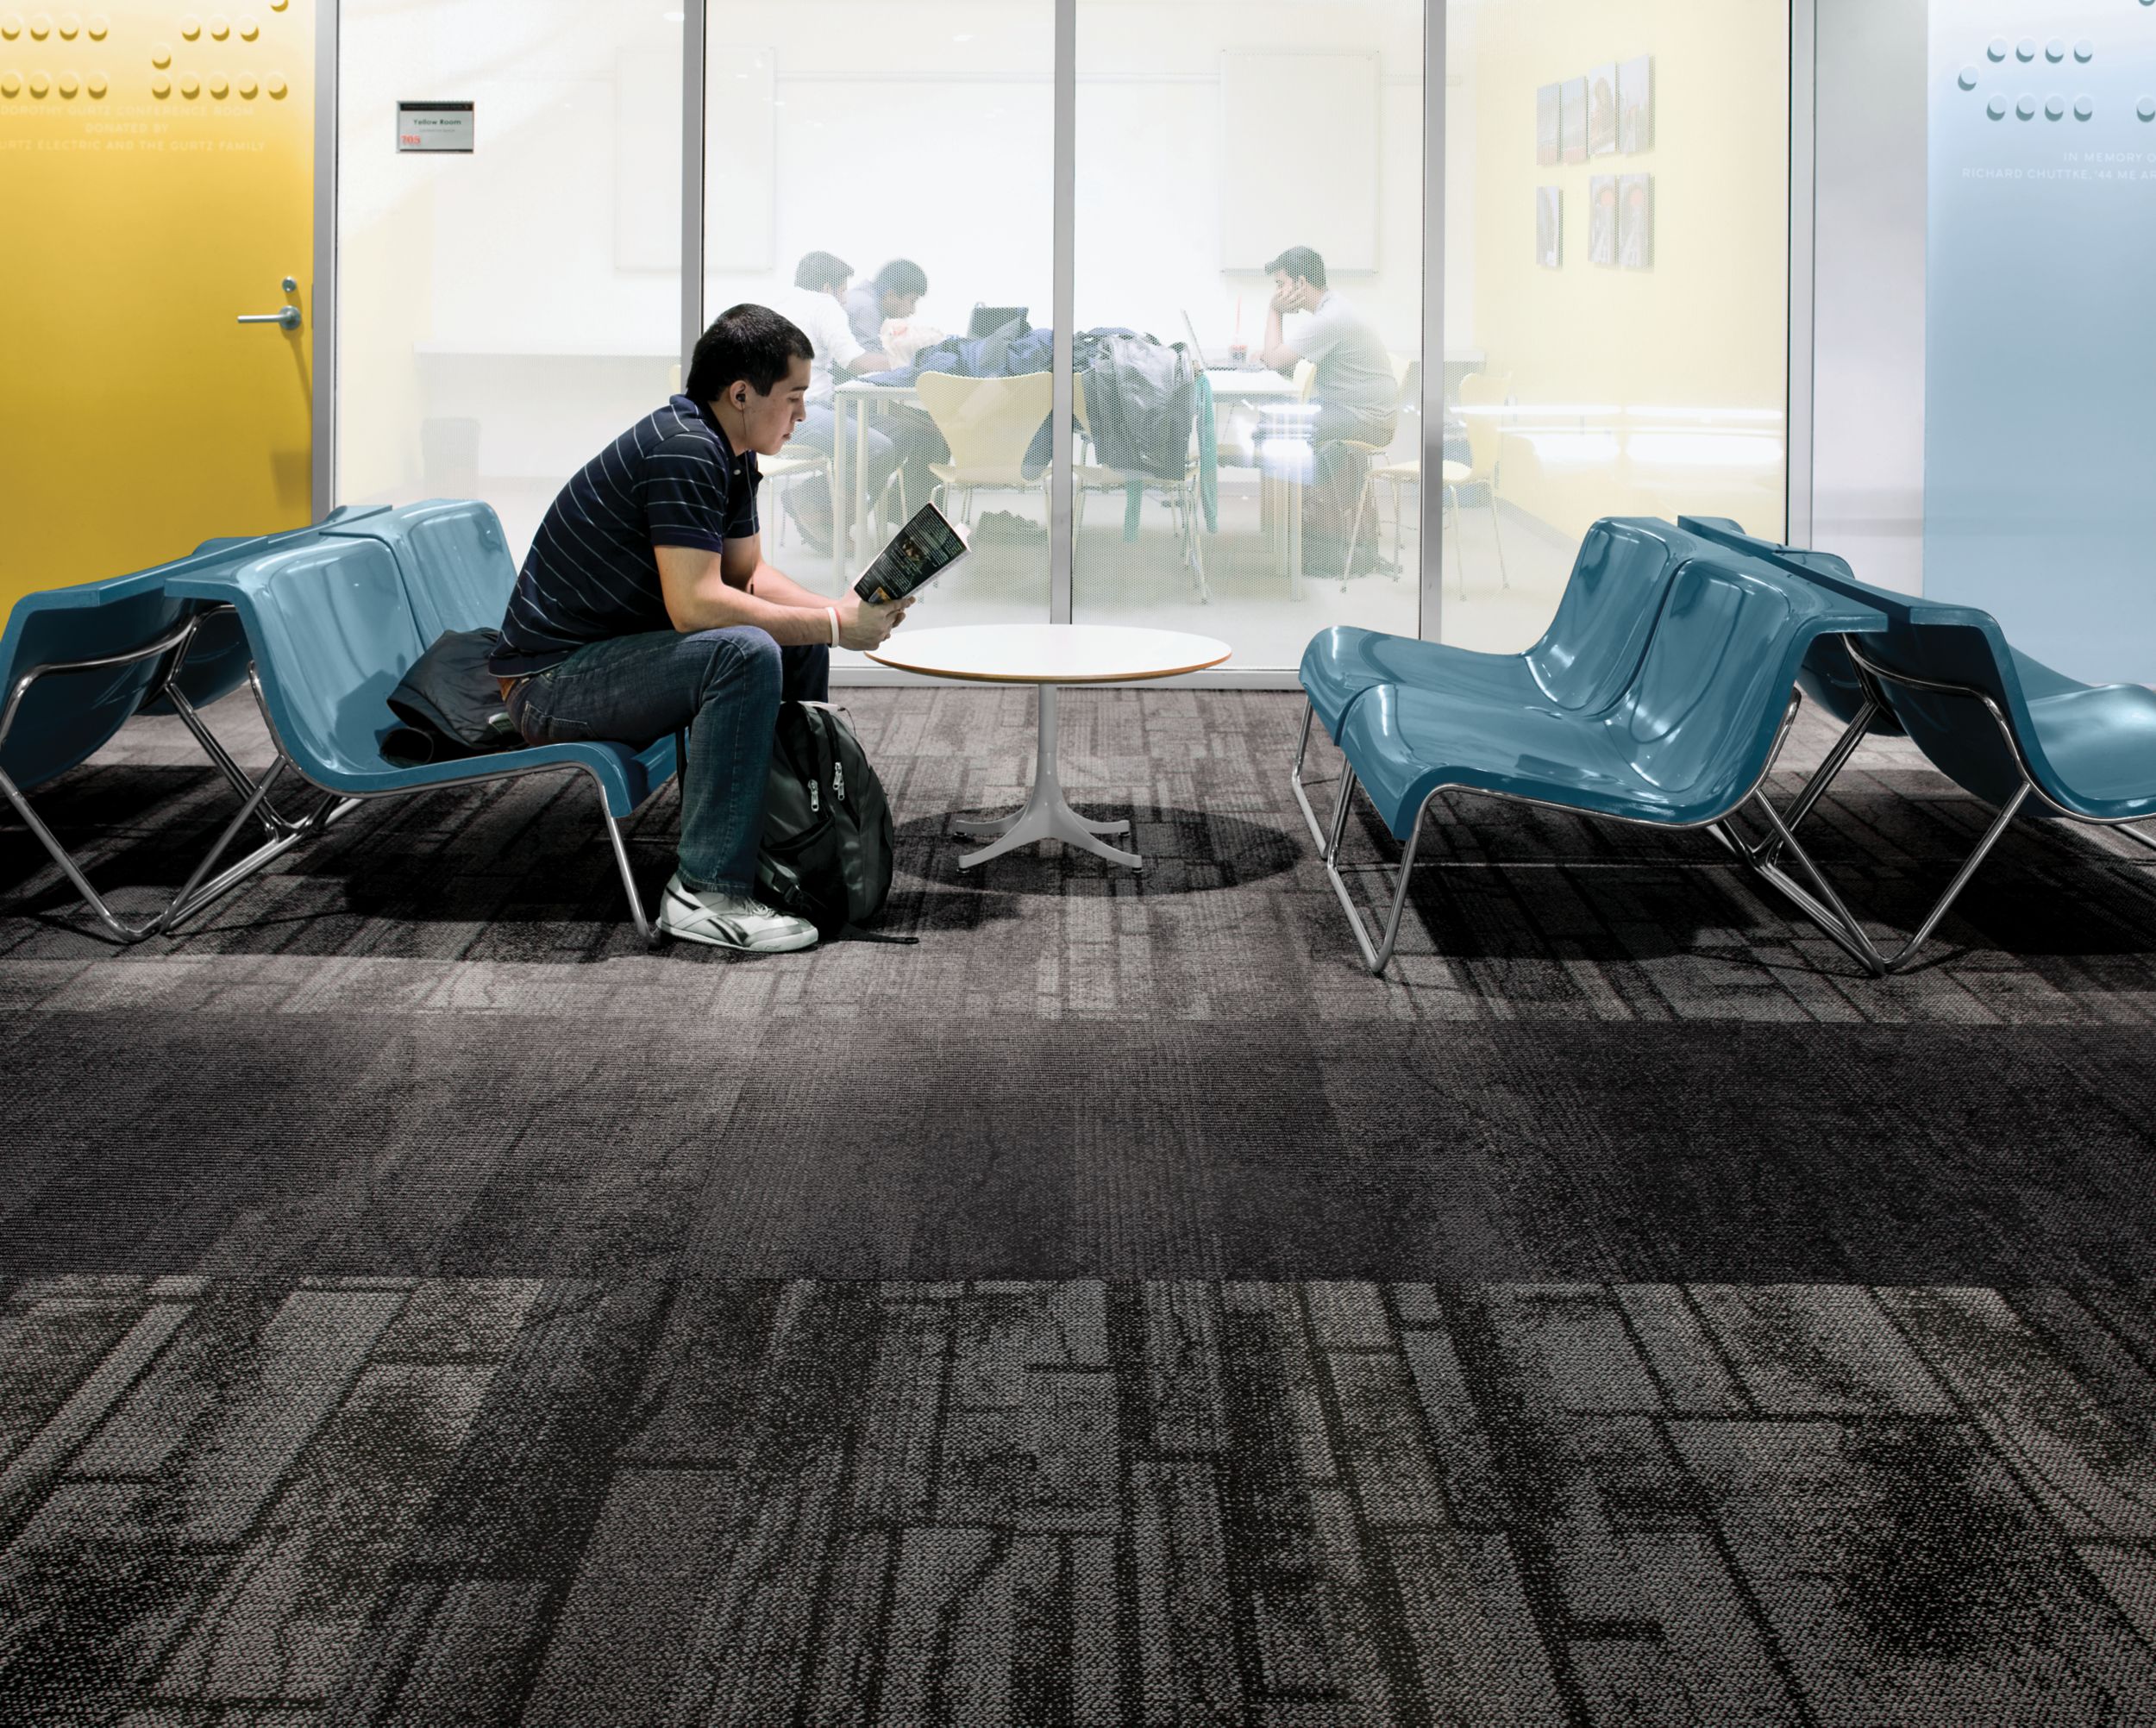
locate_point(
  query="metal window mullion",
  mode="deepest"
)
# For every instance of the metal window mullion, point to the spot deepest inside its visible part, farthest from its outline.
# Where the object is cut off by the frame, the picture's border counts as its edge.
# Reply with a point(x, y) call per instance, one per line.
point(1803, 216)
point(323, 313)
point(694, 23)
point(1431, 493)
point(1061, 474)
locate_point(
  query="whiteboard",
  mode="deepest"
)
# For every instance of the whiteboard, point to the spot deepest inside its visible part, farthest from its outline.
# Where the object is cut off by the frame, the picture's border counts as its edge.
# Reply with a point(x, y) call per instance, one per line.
point(1299, 157)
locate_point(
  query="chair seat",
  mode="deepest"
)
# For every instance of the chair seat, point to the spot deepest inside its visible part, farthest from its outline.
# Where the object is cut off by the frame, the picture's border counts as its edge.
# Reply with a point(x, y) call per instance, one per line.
point(786, 467)
point(1410, 470)
point(1406, 742)
point(1344, 661)
point(1683, 743)
point(1457, 473)
point(629, 776)
point(988, 475)
point(1099, 478)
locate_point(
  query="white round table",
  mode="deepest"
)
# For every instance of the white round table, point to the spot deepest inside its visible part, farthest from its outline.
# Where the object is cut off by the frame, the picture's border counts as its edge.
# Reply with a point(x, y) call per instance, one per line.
point(1047, 655)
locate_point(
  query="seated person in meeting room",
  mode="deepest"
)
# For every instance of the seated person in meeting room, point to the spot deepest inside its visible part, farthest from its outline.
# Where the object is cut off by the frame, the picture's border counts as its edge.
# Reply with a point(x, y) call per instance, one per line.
point(1354, 392)
point(645, 607)
point(894, 291)
point(817, 303)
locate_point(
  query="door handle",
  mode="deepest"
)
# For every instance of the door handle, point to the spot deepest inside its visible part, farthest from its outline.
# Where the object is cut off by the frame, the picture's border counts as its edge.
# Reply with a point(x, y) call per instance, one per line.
point(288, 319)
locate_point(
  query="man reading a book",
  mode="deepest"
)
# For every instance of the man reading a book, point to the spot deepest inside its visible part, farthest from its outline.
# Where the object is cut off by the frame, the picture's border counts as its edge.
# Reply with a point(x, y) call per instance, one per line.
point(645, 607)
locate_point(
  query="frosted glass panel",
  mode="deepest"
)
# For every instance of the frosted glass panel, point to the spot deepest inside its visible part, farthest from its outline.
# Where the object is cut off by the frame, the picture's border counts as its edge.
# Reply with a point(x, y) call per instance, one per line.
point(2041, 423)
point(503, 315)
point(1257, 504)
point(849, 148)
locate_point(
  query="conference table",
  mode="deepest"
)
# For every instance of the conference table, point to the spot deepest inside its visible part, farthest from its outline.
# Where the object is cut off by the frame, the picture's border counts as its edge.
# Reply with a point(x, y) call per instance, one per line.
point(850, 467)
point(1046, 656)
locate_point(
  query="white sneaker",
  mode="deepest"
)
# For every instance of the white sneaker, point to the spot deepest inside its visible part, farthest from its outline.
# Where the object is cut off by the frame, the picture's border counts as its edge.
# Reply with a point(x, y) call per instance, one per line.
point(732, 921)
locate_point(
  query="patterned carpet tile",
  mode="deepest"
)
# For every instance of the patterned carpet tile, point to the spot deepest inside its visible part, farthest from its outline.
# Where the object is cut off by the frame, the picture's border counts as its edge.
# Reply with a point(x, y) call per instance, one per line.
point(375, 1500)
point(504, 897)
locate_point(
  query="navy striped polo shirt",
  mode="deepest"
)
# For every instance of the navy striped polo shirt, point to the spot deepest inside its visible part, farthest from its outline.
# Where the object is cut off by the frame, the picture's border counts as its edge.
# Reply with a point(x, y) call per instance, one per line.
point(671, 479)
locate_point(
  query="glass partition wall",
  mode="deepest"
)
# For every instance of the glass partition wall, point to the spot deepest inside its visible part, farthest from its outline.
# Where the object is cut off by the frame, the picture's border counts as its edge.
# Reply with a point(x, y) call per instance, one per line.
point(1213, 138)
point(503, 313)
point(875, 172)
point(1613, 193)
point(1616, 185)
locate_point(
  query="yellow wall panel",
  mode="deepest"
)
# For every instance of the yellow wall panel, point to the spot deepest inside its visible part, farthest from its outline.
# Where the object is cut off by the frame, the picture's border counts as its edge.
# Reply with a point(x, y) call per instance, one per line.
point(156, 180)
point(1704, 331)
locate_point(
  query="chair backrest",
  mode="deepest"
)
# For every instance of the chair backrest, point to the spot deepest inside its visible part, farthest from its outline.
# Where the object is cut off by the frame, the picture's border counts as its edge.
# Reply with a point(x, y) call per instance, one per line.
point(454, 558)
point(1944, 644)
point(988, 422)
point(217, 658)
point(1586, 659)
point(65, 719)
point(333, 629)
point(1699, 719)
point(1483, 395)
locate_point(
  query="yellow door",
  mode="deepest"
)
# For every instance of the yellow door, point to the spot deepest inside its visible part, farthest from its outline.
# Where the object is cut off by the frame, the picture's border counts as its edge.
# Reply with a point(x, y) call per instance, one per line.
point(156, 184)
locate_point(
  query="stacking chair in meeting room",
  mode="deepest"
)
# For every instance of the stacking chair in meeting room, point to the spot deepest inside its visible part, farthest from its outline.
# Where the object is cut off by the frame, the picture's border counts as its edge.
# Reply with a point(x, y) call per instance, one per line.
point(1687, 741)
point(80, 661)
point(989, 424)
point(1181, 493)
point(1407, 382)
point(1481, 405)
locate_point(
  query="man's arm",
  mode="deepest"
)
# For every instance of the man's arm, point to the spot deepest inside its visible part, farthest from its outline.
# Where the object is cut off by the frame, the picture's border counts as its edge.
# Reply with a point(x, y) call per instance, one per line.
point(742, 564)
point(700, 596)
point(1276, 351)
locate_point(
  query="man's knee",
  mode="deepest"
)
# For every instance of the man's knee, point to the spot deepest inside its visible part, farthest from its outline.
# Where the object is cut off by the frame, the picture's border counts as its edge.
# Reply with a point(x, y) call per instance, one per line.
point(741, 663)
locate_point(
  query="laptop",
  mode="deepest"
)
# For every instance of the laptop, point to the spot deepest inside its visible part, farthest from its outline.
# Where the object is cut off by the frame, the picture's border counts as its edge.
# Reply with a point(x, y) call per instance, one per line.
point(988, 320)
point(1213, 359)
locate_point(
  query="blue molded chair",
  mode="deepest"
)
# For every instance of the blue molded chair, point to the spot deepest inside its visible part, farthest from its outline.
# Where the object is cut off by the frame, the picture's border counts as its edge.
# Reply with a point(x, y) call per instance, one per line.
point(333, 626)
point(80, 661)
point(1686, 740)
point(454, 559)
point(1582, 661)
point(2007, 729)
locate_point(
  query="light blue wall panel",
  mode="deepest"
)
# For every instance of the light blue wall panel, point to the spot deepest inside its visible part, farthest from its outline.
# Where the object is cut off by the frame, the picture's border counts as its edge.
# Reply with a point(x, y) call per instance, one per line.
point(2040, 326)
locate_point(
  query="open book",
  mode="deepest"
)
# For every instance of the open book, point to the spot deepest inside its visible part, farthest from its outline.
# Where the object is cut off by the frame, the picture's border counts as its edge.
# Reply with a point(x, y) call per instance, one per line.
point(927, 545)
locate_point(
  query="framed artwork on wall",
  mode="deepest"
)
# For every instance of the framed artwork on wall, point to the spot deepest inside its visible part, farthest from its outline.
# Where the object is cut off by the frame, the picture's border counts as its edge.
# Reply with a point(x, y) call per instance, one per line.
point(1635, 105)
point(1549, 137)
point(1601, 111)
point(1573, 109)
point(1635, 221)
point(1602, 219)
point(1549, 226)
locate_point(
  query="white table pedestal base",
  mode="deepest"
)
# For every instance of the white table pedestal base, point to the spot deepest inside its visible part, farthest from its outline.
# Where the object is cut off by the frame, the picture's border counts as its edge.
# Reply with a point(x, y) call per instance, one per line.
point(1045, 815)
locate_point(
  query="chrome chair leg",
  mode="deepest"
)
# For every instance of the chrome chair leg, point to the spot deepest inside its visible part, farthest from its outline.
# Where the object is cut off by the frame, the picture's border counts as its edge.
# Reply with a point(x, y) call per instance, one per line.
point(1295, 780)
point(1496, 533)
point(645, 927)
point(1375, 956)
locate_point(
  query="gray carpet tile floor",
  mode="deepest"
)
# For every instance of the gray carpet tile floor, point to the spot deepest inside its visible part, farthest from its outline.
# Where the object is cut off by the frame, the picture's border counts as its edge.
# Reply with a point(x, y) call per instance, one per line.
point(419, 1305)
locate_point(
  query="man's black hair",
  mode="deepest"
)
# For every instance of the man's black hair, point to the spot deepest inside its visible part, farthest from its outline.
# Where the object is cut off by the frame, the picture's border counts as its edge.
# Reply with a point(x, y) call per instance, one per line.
point(901, 276)
point(820, 272)
point(1300, 260)
point(751, 343)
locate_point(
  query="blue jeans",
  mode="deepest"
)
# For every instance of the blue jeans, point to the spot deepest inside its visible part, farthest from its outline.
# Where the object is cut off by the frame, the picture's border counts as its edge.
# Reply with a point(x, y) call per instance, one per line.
point(723, 687)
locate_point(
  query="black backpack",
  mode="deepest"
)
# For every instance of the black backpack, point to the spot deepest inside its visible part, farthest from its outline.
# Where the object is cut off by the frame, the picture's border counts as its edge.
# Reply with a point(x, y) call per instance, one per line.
point(826, 852)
